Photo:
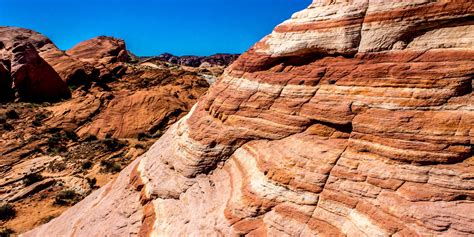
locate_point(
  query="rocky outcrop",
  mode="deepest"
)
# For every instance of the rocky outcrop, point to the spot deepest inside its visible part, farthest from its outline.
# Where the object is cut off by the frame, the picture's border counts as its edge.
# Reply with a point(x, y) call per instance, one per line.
point(352, 118)
point(24, 72)
point(70, 69)
point(53, 155)
point(132, 110)
point(196, 61)
point(105, 53)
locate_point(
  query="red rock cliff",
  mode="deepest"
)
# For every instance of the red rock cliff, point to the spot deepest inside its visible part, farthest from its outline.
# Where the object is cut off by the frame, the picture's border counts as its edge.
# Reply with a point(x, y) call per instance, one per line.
point(352, 118)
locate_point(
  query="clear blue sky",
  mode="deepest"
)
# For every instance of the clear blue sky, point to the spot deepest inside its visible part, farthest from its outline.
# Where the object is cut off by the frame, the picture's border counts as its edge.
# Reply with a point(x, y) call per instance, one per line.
point(151, 27)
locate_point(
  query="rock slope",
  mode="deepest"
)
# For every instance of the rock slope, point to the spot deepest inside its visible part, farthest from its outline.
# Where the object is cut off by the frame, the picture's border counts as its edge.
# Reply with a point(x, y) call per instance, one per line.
point(53, 154)
point(352, 118)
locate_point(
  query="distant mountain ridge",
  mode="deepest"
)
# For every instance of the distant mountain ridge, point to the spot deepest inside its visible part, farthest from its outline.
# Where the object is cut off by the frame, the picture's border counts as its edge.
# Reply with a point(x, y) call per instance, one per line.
point(221, 59)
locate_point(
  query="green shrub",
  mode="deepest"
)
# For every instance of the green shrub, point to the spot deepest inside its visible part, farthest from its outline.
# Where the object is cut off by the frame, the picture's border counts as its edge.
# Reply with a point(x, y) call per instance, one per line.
point(110, 166)
point(67, 197)
point(71, 135)
point(113, 144)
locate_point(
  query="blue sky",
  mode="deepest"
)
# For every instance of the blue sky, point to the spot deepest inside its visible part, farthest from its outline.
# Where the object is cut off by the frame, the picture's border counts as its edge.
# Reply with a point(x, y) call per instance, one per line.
point(151, 27)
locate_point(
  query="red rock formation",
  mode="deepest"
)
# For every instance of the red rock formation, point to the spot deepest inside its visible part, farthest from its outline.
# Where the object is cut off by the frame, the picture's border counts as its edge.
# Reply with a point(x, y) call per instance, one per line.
point(33, 78)
point(104, 53)
point(352, 118)
point(70, 69)
point(25, 72)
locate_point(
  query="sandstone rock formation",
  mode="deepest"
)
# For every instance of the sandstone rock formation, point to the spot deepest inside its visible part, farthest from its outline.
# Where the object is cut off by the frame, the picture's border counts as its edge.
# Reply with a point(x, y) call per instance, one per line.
point(25, 72)
point(352, 118)
point(70, 69)
point(82, 143)
point(53, 155)
point(105, 53)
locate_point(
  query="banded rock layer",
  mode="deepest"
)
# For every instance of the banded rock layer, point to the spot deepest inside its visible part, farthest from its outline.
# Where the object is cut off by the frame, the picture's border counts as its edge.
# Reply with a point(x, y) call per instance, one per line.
point(352, 118)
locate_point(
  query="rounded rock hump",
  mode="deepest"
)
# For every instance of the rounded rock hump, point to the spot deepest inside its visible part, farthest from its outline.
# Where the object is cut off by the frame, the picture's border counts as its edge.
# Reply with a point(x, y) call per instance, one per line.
point(70, 69)
point(105, 53)
point(353, 118)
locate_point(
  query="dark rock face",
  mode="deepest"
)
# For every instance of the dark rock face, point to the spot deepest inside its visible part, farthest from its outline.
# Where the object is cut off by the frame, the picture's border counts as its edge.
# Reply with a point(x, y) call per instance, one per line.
point(5, 83)
point(196, 61)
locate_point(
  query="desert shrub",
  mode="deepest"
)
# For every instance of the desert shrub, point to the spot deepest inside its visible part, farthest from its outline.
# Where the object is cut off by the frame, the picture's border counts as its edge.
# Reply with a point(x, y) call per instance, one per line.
point(7, 212)
point(39, 119)
point(113, 144)
point(110, 166)
point(71, 135)
point(91, 181)
point(86, 165)
point(66, 197)
point(158, 134)
point(90, 138)
point(56, 150)
point(6, 232)
point(143, 136)
point(12, 114)
point(47, 219)
point(30, 179)
point(57, 166)
point(8, 127)
point(54, 140)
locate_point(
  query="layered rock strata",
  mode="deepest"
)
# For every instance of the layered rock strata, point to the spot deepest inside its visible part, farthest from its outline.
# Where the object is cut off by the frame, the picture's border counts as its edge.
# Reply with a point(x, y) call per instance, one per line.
point(352, 118)
point(106, 54)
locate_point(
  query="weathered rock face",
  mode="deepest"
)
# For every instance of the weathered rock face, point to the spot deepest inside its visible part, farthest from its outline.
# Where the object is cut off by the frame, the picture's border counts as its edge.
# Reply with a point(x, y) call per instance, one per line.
point(352, 118)
point(70, 69)
point(25, 72)
point(105, 53)
point(76, 146)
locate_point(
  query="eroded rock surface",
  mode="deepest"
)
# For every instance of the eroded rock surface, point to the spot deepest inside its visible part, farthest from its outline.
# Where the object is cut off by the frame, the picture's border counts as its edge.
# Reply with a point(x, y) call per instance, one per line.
point(352, 118)
point(71, 69)
point(24, 74)
point(107, 110)
point(106, 54)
